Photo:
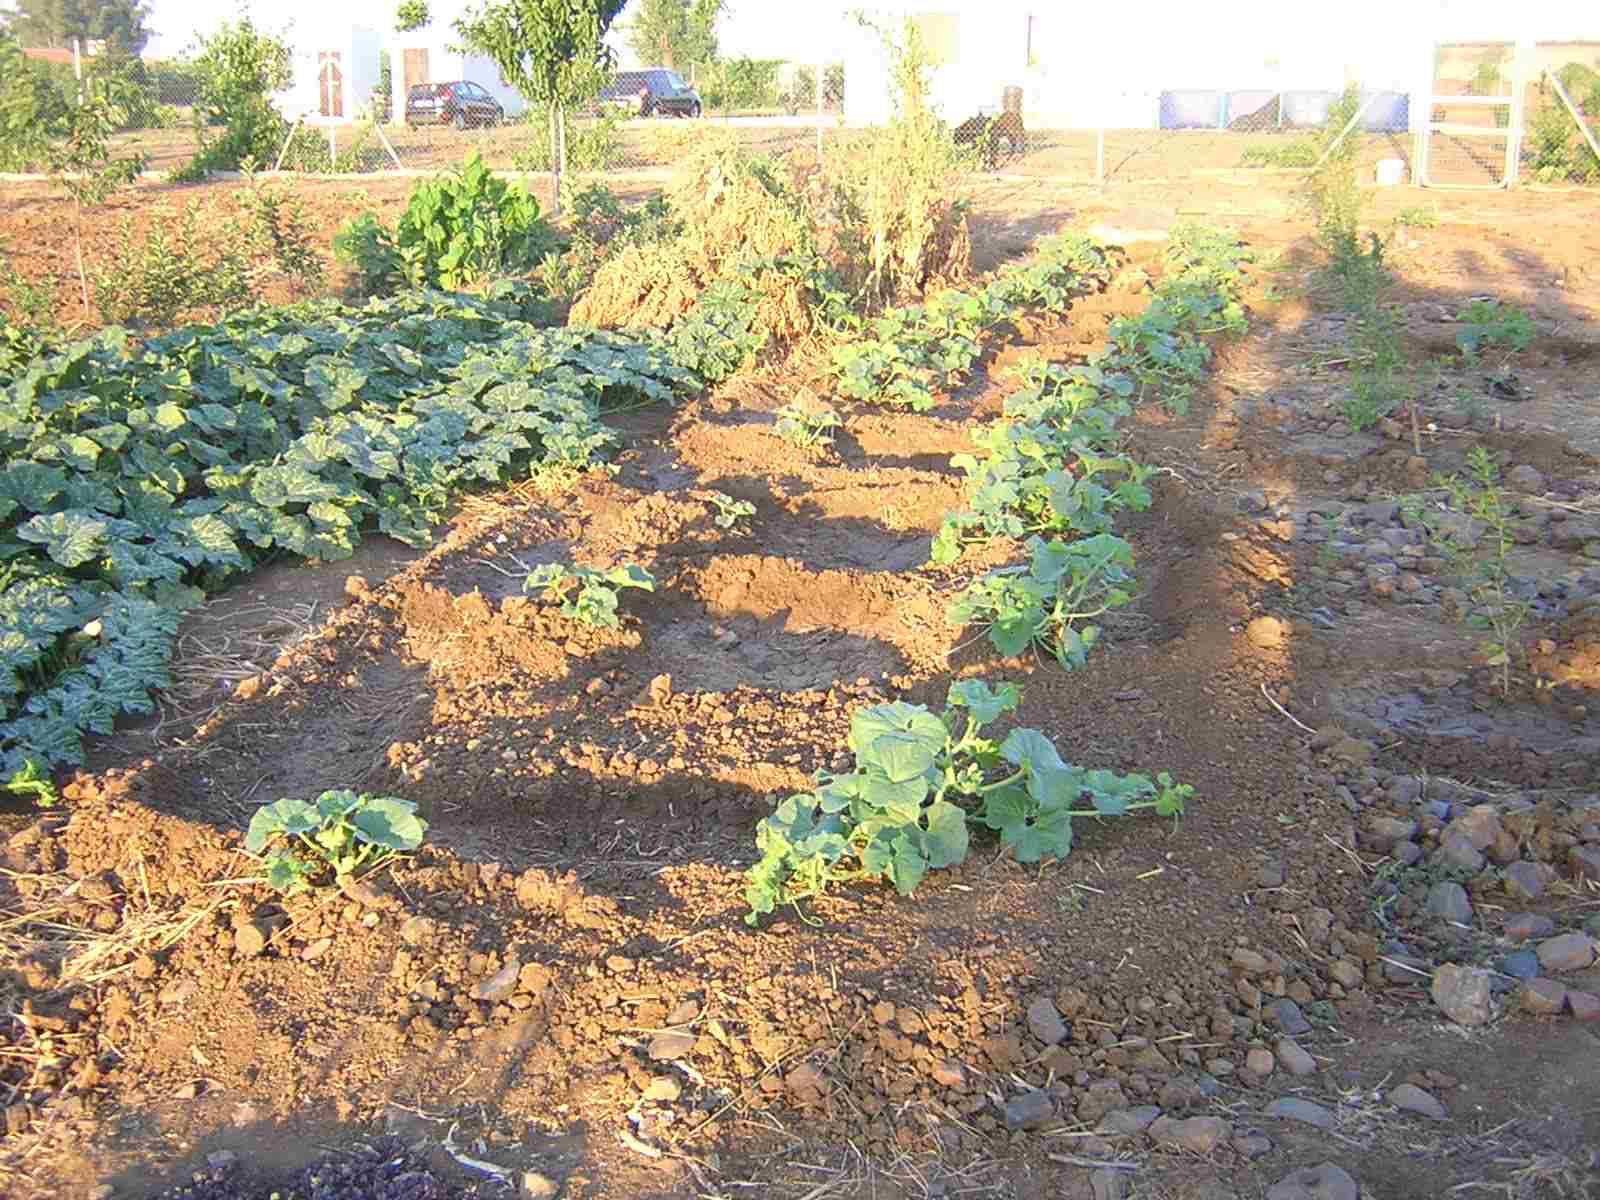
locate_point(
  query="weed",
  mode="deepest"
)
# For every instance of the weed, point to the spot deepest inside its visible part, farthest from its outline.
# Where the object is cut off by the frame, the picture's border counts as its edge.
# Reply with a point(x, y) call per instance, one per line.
point(1490, 323)
point(595, 603)
point(1418, 218)
point(339, 831)
point(30, 782)
point(1333, 526)
point(1301, 153)
point(1481, 562)
point(920, 780)
point(806, 423)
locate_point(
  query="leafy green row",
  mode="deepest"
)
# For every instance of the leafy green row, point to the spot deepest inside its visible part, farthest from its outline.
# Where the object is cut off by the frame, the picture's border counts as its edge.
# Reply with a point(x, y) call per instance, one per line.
point(1162, 349)
point(1051, 470)
point(899, 358)
point(920, 782)
point(139, 476)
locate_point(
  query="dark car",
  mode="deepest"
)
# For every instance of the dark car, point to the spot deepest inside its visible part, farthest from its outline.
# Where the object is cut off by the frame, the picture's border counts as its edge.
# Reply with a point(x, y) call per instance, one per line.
point(653, 92)
point(462, 104)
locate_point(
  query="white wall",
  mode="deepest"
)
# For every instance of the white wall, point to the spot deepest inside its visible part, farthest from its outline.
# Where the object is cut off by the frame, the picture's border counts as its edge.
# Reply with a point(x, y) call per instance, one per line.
point(446, 66)
point(359, 66)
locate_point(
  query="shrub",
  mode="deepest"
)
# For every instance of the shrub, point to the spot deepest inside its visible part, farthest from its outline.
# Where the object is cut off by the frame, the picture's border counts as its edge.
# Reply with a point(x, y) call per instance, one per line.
point(238, 70)
point(457, 230)
point(593, 143)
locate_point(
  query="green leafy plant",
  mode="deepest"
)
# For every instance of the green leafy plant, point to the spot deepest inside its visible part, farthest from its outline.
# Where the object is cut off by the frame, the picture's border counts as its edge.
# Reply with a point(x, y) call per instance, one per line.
point(1418, 218)
point(1488, 323)
point(239, 68)
point(729, 511)
point(1048, 602)
point(807, 423)
point(457, 230)
point(920, 781)
point(338, 832)
point(594, 600)
point(1299, 153)
point(1481, 559)
point(31, 782)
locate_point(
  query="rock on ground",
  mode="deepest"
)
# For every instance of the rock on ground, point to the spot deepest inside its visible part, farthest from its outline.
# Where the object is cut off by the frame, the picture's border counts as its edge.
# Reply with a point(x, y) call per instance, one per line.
point(1463, 993)
point(1411, 1098)
point(1295, 1060)
point(1291, 1108)
point(1567, 952)
point(1327, 1182)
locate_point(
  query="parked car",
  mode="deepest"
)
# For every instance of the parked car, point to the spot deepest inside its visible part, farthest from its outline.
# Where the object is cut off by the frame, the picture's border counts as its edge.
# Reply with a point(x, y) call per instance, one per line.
point(653, 92)
point(462, 104)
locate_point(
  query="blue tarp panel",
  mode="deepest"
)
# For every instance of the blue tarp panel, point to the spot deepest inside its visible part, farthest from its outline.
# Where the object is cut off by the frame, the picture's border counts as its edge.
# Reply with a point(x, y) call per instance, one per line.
point(1390, 112)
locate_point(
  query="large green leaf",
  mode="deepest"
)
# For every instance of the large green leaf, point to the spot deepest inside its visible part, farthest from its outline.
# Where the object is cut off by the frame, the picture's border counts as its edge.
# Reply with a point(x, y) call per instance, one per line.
point(986, 704)
point(70, 538)
point(285, 817)
point(389, 822)
point(945, 841)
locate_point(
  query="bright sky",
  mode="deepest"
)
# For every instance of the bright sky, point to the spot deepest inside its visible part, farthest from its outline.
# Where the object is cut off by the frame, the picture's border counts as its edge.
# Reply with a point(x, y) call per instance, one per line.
point(760, 28)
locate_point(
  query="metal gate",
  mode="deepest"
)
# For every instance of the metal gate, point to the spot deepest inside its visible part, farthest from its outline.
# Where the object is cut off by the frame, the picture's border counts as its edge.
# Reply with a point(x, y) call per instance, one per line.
point(1472, 137)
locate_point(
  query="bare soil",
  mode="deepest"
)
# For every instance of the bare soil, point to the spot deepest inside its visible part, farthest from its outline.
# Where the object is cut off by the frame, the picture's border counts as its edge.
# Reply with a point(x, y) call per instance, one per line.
point(562, 981)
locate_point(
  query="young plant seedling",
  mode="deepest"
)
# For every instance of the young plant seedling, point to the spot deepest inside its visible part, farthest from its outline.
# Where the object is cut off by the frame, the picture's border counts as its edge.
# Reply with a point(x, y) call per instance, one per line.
point(920, 781)
point(729, 511)
point(807, 424)
point(31, 782)
point(595, 601)
point(339, 832)
point(1489, 323)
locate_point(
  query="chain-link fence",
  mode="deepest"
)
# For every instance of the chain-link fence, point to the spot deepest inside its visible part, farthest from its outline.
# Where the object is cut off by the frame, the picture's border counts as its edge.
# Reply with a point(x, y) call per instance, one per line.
point(1488, 113)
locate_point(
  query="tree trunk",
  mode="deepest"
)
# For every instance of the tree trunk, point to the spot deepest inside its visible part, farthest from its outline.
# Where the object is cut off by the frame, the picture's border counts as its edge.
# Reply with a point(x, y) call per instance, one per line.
point(555, 161)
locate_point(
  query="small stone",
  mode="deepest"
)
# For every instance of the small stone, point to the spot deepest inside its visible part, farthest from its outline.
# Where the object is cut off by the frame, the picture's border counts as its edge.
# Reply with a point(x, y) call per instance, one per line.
point(684, 1013)
point(1126, 1122)
point(1270, 875)
point(1411, 1098)
point(315, 950)
point(1520, 964)
point(1045, 1023)
point(102, 1191)
point(1346, 973)
point(222, 1160)
point(1029, 1110)
point(1526, 479)
point(1567, 952)
point(1527, 881)
point(1099, 1098)
point(1267, 633)
point(1295, 1060)
point(501, 984)
point(1260, 1062)
point(1523, 927)
point(250, 939)
point(415, 931)
point(1585, 1006)
point(1542, 997)
point(1289, 1017)
point(948, 1073)
point(538, 1187)
point(663, 1089)
point(1106, 1184)
point(1292, 1108)
point(1327, 1182)
point(1448, 901)
point(1202, 1135)
point(1463, 993)
point(1584, 863)
point(1457, 850)
point(805, 1083)
point(1252, 1145)
point(18, 1118)
point(1386, 831)
point(670, 1045)
point(1250, 962)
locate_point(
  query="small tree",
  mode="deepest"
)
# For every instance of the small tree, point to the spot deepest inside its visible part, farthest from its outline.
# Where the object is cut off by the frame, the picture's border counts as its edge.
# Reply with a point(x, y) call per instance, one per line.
point(677, 32)
point(411, 14)
point(551, 51)
point(239, 68)
point(82, 163)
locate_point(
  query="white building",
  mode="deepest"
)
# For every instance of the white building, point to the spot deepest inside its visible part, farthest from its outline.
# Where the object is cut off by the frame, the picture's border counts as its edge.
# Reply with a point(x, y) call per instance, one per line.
point(335, 73)
point(432, 55)
point(1140, 65)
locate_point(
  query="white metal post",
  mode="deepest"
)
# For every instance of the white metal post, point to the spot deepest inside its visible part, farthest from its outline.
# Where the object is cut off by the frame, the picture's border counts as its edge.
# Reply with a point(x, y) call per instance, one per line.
point(1522, 58)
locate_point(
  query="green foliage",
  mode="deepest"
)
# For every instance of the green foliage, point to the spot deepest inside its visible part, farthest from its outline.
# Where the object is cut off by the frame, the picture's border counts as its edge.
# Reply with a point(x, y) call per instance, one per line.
point(807, 423)
point(1478, 544)
point(549, 50)
point(138, 476)
point(339, 831)
point(901, 357)
point(1418, 218)
point(741, 84)
point(1488, 323)
point(920, 782)
point(594, 602)
point(1302, 152)
point(594, 144)
point(31, 107)
point(239, 68)
point(1048, 602)
point(729, 511)
point(1556, 151)
point(1380, 375)
point(411, 14)
point(457, 230)
point(30, 782)
point(57, 22)
point(675, 33)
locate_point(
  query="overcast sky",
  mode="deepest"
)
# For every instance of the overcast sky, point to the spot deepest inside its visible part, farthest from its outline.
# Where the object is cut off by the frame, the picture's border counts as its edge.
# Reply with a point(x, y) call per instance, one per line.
point(760, 28)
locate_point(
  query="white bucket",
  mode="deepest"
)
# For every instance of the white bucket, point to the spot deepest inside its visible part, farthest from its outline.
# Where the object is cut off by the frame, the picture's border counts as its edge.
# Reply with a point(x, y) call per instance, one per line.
point(1391, 172)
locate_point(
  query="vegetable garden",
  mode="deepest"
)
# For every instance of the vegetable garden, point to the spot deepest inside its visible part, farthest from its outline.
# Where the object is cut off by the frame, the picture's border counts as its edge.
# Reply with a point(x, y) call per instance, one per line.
point(834, 721)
